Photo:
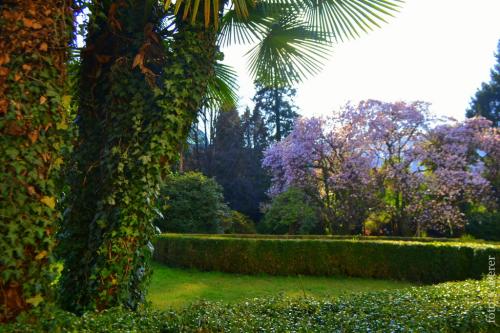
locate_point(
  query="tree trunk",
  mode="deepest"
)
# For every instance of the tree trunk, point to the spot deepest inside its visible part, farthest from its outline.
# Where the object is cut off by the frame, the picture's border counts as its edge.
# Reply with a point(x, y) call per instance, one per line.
point(34, 39)
point(137, 103)
point(277, 113)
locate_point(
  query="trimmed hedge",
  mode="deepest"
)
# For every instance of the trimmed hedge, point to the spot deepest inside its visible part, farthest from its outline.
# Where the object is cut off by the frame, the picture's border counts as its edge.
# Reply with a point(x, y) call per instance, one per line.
point(448, 307)
point(349, 237)
point(426, 262)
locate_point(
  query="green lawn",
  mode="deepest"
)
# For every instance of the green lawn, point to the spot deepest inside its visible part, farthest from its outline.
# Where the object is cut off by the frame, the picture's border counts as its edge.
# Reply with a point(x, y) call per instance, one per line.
point(172, 287)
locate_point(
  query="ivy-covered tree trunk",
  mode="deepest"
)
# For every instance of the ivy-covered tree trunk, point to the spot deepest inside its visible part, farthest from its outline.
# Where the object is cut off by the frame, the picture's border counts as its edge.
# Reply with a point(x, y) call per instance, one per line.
point(33, 54)
point(138, 97)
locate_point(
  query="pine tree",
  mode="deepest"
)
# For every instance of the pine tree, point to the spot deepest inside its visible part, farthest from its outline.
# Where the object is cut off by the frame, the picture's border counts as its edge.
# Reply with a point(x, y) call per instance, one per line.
point(486, 102)
point(228, 158)
point(278, 107)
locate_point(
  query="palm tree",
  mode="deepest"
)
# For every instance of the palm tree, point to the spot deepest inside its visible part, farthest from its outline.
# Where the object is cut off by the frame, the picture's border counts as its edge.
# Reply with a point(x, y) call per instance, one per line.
point(290, 38)
point(33, 113)
point(146, 69)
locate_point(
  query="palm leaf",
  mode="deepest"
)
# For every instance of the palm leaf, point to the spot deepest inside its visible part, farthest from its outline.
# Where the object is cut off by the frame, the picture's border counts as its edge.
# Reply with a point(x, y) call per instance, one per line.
point(288, 53)
point(345, 19)
point(293, 36)
point(236, 29)
point(222, 88)
point(211, 9)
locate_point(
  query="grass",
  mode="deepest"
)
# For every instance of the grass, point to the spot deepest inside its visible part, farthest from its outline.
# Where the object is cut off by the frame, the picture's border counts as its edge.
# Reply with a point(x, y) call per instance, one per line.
point(176, 288)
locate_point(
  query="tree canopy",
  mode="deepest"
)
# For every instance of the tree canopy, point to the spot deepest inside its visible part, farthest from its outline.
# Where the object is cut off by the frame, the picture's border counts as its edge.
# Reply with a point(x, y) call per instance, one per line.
point(486, 101)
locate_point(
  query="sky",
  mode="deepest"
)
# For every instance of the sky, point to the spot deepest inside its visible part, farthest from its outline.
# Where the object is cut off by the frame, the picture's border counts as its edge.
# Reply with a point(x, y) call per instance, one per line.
point(438, 51)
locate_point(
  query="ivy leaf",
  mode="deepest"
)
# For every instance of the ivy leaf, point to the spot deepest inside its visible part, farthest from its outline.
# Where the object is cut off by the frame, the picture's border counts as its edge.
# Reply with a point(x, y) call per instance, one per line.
point(41, 255)
point(49, 201)
point(66, 101)
point(35, 300)
point(62, 125)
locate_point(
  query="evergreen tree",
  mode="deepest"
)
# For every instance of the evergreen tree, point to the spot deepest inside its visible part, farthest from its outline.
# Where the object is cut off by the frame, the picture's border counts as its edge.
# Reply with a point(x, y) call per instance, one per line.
point(256, 135)
point(260, 134)
point(257, 140)
point(246, 124)
point(228, 158)
point(278, 107)
point(486, 102)
point(230, 148)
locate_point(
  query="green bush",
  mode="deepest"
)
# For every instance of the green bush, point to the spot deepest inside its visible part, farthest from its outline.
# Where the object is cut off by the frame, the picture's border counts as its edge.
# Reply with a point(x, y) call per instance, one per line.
point(291, 212)
point(191, 203)
point(426, 262)
point(448, 307)
point(354, 237)
point(484, 224)
point(237, 223)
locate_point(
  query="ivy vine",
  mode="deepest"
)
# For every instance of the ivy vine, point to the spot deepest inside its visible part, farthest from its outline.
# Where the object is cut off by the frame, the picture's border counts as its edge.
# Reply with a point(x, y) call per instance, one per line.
point(33, 133)
point(138, 95)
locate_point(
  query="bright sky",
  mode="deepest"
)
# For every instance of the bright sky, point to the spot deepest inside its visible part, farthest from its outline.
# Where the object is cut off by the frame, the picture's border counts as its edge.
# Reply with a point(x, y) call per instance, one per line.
point(437, 51)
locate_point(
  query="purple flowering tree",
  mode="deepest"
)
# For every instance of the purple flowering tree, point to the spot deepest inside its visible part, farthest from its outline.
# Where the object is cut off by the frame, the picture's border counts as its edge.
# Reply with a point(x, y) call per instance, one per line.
point(393, 129)
point(385, 164)
point(456, 159)
point(326, 158)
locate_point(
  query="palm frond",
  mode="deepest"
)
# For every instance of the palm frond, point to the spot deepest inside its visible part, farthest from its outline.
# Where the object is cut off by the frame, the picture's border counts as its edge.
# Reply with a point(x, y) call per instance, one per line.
point(235, 29)
point(288, 53)
point(211, 9)
point(222, 88)
point(346, 19)
point(293, 36)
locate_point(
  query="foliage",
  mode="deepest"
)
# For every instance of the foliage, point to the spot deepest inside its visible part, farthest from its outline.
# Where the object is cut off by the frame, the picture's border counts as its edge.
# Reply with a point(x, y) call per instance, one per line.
point(229, 147)
point(448, 307)
point(238, 223)
point(453, 157)
point(357, 237)
point(138, 96)
point(287, 47)
point(141, 82)
point(277, 106)
point(256, 139)
point(255, 133)
point(229, 159)
point(34, 112)
point(428, 262)
point(380, 164)
point(291, 212)
point(393, 130)
point(377, 222)
point(483, 223)
point(191, 203)
point(486, 101)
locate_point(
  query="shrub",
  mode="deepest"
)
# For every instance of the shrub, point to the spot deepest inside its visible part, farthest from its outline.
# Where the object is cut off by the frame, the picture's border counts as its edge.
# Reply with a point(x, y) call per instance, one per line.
point(354, 237)
point(191, 203)
point(291, 212)
point(427, 262)
point(377, 222)
point(484, 224)
point(237, 223)
point(449, 307)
